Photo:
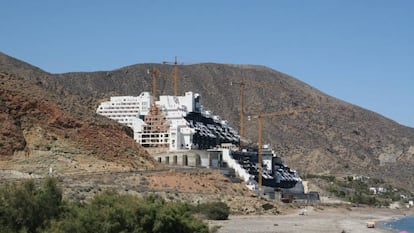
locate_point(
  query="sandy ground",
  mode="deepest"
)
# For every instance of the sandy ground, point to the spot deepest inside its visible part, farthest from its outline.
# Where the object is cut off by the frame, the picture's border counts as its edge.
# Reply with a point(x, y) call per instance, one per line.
point(318, 220)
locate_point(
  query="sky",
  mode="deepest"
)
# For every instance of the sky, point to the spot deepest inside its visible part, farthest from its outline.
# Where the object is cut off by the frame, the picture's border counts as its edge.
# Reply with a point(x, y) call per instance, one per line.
point(361, 52)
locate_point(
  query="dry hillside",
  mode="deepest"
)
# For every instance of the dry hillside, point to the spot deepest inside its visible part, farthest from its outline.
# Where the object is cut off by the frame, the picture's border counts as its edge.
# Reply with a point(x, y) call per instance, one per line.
point(36, 126)
point(335, 138)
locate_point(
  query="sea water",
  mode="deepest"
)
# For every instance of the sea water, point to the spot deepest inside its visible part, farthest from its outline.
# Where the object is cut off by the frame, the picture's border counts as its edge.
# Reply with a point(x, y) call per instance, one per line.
point(403, 224)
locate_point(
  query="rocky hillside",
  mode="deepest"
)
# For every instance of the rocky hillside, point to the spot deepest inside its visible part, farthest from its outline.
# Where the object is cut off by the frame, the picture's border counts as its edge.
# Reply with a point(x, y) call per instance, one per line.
point(44, 127)
point(335, 138)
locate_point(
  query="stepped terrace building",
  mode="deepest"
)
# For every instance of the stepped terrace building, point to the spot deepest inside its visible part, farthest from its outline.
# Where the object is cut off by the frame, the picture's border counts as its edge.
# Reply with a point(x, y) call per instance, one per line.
point(125, 109)
point(172, 123)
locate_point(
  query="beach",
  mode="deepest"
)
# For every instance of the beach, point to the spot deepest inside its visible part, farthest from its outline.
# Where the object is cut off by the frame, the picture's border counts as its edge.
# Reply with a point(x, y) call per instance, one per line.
point(311, 219)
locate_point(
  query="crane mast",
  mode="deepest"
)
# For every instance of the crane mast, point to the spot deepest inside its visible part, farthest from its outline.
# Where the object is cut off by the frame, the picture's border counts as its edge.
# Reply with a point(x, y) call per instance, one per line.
point(154, 73)
point(259, 135)
point(241, 113)
point(175, 77)
point(175, 74)
point(242, 85)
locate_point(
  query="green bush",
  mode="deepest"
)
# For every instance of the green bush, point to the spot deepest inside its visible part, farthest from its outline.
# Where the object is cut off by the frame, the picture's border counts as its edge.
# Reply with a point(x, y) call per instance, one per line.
point(324, 177)
point(25, 208)
point(111, 212)
point(214, 210)
point(361, 198)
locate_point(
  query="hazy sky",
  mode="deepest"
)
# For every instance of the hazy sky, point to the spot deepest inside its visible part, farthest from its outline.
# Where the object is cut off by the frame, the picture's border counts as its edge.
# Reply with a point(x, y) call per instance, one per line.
point(358, 51)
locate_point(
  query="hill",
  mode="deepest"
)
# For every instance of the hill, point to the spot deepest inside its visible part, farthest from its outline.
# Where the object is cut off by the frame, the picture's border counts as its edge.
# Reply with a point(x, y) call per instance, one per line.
point(44, 128)
point(336, 138)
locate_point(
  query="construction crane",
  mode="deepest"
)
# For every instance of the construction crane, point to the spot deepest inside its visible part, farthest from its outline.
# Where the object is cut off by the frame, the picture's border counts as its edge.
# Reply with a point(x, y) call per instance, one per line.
point(259, 134)
point(154, 73)
point(175, 74)
point(242, 84)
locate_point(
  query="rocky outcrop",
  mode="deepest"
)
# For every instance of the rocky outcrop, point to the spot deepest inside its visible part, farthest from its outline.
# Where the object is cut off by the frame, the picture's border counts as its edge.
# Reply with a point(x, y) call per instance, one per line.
point(34, 123)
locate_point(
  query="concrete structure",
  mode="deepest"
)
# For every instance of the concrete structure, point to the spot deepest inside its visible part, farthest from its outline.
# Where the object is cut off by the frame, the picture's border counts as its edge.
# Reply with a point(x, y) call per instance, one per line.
point(174, 122)
point(126, 109)
point(190, 158)
point(178, 131)
point(240, 171)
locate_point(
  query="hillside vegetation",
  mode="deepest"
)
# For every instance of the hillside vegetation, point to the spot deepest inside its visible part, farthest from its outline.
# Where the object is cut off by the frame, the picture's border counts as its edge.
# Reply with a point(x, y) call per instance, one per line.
point(27, 208)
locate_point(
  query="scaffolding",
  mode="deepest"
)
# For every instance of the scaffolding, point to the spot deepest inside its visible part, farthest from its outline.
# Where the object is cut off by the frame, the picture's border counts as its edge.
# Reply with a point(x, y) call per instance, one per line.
point(156, 130)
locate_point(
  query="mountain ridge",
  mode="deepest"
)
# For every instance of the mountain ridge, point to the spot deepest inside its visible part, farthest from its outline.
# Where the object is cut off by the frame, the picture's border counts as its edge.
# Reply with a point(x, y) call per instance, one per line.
point(335, 138)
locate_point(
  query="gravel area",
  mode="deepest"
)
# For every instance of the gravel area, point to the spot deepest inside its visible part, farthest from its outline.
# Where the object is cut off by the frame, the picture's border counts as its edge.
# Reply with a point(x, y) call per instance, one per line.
point(310, 219)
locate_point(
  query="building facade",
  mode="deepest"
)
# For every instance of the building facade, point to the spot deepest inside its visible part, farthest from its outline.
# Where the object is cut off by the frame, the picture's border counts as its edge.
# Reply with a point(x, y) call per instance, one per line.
point(172, 123)
point(125, 109)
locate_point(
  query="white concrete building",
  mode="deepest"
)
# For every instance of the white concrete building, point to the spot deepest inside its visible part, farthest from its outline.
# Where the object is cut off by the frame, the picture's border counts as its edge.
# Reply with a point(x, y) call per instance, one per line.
point(125, 109)
point(173, 123)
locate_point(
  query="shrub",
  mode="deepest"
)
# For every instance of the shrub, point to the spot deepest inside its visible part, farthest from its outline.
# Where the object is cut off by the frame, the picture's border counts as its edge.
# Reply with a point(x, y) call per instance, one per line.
point(26, 208)
point(324, 177)
point(111, 212)
point(214, 210)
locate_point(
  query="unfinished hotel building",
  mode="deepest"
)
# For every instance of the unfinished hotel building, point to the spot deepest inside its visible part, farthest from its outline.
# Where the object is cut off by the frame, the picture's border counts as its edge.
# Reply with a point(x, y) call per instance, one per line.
point(178, 131)
point(173, 123)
